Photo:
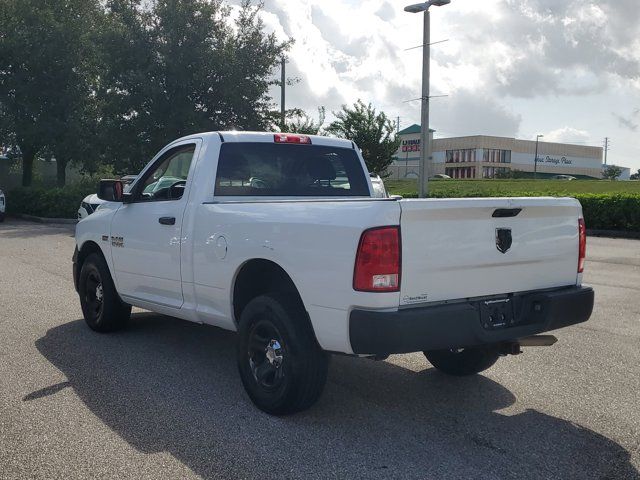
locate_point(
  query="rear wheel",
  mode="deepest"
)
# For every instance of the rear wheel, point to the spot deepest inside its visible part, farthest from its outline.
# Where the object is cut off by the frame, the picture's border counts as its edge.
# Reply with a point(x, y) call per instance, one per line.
point(463, 361)
point(101, 305)
point(281, 365)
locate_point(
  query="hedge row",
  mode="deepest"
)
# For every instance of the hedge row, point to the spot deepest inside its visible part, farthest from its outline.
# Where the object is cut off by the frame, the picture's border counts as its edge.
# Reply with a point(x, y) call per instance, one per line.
point(611, 211)
point(50, 203)
point(602, 211)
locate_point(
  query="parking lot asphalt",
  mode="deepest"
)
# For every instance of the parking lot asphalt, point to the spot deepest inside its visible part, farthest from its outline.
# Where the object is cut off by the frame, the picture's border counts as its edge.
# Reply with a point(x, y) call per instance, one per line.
point(163, 398)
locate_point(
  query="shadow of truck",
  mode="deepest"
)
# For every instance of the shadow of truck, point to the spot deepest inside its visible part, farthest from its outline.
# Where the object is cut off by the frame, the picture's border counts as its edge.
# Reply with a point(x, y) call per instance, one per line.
point(168, 385)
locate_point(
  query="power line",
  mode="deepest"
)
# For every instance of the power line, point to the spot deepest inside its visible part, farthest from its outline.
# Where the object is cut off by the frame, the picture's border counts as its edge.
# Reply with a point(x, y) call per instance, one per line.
point(420, 46)
point(420, 98)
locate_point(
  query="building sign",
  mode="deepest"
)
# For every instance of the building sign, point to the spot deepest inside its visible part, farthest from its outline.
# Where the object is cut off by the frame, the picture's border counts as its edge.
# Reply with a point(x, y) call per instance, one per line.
point(411, 145)
point(555, 160)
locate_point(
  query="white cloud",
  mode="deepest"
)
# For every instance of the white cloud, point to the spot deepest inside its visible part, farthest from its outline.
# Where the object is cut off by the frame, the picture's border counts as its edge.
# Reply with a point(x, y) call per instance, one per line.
point(500, 54)
point(472, 113)
point(567, 135)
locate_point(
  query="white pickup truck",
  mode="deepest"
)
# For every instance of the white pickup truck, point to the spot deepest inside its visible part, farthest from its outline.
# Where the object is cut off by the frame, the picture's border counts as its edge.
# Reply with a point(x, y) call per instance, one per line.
point(277, 237)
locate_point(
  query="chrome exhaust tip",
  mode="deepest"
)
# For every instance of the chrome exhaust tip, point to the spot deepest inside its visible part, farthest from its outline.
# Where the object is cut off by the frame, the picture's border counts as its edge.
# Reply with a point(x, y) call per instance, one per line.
point(538, 341)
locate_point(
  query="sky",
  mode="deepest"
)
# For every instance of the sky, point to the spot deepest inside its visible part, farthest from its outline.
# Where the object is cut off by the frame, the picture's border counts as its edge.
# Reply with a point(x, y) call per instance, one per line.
point(567, 69)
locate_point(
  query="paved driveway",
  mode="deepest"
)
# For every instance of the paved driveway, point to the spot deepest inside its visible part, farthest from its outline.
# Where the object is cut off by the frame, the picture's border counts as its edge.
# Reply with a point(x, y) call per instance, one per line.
point(163, 399)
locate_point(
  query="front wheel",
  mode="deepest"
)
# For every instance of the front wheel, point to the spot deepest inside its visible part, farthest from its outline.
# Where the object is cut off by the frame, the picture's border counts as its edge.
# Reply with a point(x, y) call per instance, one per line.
point(463, 361)
point(281, 365)
point(101, 305)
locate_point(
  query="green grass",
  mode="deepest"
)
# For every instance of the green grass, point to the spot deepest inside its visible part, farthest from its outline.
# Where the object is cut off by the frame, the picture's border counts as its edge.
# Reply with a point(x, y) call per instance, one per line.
point(500, 188)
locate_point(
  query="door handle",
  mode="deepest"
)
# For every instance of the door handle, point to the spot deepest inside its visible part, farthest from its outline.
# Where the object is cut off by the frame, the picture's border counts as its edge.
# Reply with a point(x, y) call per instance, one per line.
point(167, 220)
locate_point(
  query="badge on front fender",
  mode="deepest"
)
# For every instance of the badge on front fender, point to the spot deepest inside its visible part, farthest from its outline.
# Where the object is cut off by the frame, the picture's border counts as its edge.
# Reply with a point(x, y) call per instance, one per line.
point(117, 241)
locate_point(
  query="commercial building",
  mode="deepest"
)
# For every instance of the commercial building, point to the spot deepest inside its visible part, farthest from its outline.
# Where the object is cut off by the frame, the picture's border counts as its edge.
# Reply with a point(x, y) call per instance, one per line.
point(482, 156)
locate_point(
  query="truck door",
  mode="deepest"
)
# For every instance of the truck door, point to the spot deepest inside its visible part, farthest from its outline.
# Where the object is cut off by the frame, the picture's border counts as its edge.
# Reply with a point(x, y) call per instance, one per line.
point(146, 233)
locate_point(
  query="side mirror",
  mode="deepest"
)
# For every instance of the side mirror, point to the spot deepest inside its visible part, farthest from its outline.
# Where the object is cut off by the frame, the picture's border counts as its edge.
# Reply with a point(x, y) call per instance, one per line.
point(110, 190)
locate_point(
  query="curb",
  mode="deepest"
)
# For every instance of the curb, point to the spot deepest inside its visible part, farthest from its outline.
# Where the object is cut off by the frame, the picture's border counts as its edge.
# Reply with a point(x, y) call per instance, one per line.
point(33, 218)
point(613, 234)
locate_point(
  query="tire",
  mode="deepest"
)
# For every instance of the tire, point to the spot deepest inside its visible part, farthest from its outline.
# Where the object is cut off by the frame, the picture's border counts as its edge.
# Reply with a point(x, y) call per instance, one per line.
point(1, 217)
point(467, 361)
point(106, 314)
point(282, 367)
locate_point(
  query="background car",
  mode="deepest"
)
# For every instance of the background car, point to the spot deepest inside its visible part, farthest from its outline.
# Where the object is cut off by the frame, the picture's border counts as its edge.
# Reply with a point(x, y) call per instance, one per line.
point(379, 191)
point(563, 177)
point(3, 205)
point(440, 176)
point(90, 203)
point(128, 180)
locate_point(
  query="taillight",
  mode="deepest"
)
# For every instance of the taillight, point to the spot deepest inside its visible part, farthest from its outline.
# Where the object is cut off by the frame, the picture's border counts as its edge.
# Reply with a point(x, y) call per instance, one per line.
point(582, 244)
point(291, 138)
point(378, 261)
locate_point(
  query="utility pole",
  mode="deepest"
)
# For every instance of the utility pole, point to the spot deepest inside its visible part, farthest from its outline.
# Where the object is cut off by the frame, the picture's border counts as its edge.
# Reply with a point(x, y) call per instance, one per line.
point(606, 148)
point(282, 87)
point(398, 125)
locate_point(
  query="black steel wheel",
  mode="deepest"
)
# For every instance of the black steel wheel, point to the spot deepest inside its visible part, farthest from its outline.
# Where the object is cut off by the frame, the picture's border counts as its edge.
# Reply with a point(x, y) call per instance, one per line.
point(266, 353)
point(282, 367)
point(101, 305)
point(93, 294)
point(463, 361)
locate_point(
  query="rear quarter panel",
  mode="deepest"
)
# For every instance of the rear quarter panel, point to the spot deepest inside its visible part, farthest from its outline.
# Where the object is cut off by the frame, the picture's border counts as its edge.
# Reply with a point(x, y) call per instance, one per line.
point(315, 242)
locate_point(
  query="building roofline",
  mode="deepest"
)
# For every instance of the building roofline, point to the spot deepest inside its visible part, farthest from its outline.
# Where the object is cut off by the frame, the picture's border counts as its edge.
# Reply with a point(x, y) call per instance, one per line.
point(540, 142)
point(415, 128)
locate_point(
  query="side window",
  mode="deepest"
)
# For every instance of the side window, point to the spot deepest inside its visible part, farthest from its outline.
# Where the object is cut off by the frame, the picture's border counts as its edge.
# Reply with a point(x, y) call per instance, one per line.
point(166, 180)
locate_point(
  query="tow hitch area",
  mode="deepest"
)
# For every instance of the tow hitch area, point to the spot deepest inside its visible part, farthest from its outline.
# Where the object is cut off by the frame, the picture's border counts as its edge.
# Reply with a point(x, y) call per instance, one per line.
point(538, 341)
point(513, 348)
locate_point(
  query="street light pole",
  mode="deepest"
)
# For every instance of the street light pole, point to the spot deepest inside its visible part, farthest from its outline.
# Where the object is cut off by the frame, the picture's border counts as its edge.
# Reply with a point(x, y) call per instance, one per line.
point(425, 144)
point(425, 139)
point(535, 158)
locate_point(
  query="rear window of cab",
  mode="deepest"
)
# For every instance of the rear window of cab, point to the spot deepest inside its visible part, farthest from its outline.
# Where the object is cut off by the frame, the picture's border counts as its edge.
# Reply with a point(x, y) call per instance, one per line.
point(289, 170)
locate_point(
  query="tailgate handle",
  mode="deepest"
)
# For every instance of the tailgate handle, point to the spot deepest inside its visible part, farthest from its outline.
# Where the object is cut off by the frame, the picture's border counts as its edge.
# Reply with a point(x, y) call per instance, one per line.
point(506, 212)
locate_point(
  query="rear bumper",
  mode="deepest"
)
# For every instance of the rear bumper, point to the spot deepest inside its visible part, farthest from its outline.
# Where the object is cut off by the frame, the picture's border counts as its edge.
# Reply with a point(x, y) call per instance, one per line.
point(464, 323)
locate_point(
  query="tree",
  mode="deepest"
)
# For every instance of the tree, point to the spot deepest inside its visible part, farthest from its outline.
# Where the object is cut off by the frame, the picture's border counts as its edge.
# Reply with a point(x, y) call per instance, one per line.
point(299, 122)
point(611, 172)
point(22, 93)
point(373, 132)
point(181, 66)
point(636, 176)
point(73, 132)
point(45, 85)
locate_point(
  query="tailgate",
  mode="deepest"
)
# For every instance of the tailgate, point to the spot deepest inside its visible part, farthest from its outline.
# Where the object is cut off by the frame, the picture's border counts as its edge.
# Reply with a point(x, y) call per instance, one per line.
point(451, 248)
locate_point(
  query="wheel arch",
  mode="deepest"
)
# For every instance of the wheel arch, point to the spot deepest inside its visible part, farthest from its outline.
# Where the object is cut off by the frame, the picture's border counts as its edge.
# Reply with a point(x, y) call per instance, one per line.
point(86, 249)
point(259, 276)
